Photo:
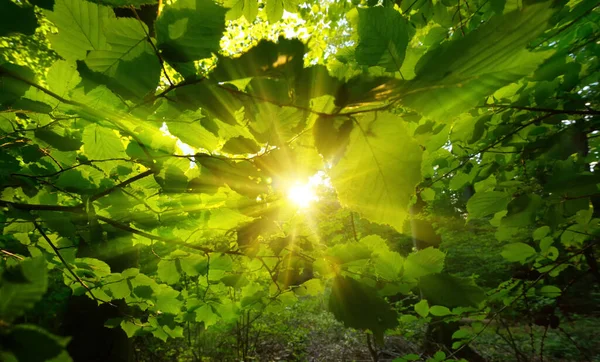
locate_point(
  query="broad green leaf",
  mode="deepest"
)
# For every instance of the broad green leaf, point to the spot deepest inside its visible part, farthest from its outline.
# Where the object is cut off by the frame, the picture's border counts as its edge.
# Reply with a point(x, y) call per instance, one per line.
point(545, 243)
point(274, 9)
point(389, 264)
point(487, 203)
point(117, 286)
point(190, 29)
point(22, 286)
point(80, 27)
point(384, 35)
point(34, 344)
point(128, 58)
point(424, 262)
point(168, 271)
point(541, 232)
point(131, 328)
point(439, 310)
point(517, 252)
point(11, 87)
point(451, 291)
point(422, 308)
point(194, 265)
point(358, 306)
point(457, 75)
point(550, 291)
point(378, 174)
point(62, 78)
point(167, 300)
point(238, 8)
point(206, 315)
point(522, 211)
point(101, 143)
point(187, 126)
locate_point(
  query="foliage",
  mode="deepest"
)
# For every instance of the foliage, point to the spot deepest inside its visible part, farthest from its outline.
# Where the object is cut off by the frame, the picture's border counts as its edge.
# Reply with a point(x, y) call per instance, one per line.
point(148, 159)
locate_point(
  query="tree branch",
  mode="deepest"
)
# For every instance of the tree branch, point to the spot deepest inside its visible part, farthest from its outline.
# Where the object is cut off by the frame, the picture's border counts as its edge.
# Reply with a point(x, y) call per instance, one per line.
point(502, 139)
point(547, 110)
point(125, 227)
point(64, 262)
point(37, 207)
point(122, 184)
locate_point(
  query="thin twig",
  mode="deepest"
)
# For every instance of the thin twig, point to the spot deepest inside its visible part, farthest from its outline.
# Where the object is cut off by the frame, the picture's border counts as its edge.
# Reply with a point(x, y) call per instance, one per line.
point(11, 254)
point(547, 110)
point(64, 262)
point(122, 184)
point(160, 59)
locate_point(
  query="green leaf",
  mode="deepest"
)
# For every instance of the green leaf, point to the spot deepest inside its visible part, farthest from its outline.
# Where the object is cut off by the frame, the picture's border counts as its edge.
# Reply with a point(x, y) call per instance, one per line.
point(545, 243)
point(439, 311)
point(358, 306)
point(117, 286)
point(128, 59)
point(422, 308)
point(389, 264)
point(194, 265)
point(12, 88)
point(487, 203)
point(168, 271)
point(522, 211)
point(457, 75)
point(205, 314)
point(34, 344)
point(190, 30)
point(274, 9)
point(101, 143)
point(80, 27)
point(451, 291)
point(378, 174)
point(62, 78)
point(167, 300)
point(424, 262)
point(517, 252)
point(241, 145)
point(22, 286)
point(16, 19)
point(238, 8)
point(383, 34)
point(541, 232)
point(130, 328)
point(550, 291)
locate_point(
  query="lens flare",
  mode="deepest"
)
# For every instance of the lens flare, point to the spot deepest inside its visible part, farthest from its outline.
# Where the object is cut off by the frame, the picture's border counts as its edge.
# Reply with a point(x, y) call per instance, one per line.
point(302, 195)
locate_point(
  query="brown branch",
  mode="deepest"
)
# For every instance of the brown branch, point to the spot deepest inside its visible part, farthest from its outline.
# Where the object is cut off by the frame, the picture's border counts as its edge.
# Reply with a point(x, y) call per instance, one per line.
point(83, 163)
point(64, 262)
point(160, 59)
point(523, 294)
point(125, 227)
point(460, 20)
point(291, 105)
point(40, 88)
point(37, 207)
point(122, 184)
point(11, 254)
point(579, 348)
point(502, 139)
point(372, 350)
point(547, 110)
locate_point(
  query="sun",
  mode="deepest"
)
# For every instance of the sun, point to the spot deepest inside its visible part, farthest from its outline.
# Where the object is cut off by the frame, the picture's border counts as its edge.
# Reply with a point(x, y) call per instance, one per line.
point(302, 195)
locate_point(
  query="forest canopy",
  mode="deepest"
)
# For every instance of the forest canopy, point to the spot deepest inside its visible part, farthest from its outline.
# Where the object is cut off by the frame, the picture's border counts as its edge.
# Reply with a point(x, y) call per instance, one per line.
point(185, 165)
